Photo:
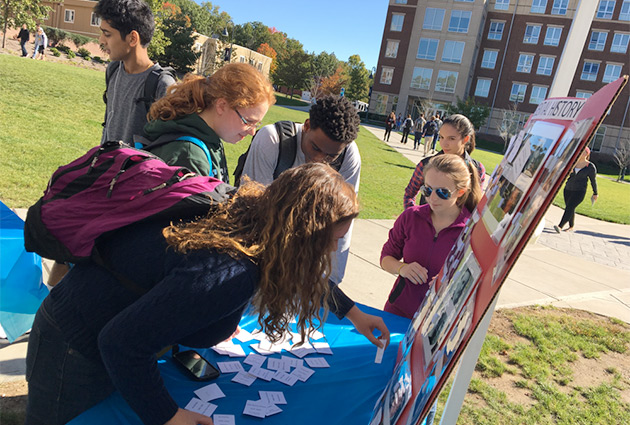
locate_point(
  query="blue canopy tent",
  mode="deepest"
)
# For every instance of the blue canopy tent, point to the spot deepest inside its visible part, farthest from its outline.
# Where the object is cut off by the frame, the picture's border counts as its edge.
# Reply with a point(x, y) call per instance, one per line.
point(21, 287)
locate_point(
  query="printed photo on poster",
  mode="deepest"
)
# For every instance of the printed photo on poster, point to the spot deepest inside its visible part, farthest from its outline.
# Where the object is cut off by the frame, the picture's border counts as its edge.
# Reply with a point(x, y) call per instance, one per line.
point(399, 393)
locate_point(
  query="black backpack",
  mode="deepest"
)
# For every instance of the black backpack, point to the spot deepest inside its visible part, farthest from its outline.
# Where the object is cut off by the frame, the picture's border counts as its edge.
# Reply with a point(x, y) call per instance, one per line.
point(431, 128)
point(286, 152)
point(150, 84)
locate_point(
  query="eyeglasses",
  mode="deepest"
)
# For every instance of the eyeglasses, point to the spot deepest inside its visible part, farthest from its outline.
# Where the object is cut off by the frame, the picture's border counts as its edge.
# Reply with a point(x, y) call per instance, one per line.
point(248, 125)
point(442, 192)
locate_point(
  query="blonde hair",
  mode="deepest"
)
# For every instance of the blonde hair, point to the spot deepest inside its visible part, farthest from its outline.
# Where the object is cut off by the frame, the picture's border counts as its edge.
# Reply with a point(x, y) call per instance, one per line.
point(241, 84)
point(464, 176)
point(287, 229)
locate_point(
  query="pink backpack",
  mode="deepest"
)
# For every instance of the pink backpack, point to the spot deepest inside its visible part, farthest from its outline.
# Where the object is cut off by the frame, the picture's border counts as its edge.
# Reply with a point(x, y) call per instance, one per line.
point(110, 187)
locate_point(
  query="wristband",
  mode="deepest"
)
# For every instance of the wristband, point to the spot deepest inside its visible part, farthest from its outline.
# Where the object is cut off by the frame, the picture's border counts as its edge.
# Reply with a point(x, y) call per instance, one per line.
point(400, 268)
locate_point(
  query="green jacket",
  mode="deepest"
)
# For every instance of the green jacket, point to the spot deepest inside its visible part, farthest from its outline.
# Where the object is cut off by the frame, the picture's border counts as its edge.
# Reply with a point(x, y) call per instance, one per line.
point(187, 154)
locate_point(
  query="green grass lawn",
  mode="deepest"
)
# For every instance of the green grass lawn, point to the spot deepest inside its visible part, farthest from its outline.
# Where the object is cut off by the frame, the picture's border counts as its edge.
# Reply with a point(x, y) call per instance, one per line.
point(51, 113)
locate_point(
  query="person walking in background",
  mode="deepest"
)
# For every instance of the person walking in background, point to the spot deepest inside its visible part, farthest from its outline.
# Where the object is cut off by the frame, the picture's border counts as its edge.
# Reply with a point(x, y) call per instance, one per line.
point(24, 36)
point(41, 41)
point(390, 123)
point(199, 112)
point(575, 189)
point(399, 122)
point(428, 133)
point(406, 128)
point(457, 136)
point(417, 131)
point(438, 123)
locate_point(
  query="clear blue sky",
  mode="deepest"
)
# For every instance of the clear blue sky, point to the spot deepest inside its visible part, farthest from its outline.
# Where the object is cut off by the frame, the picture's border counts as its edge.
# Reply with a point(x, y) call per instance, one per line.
point(342, 27)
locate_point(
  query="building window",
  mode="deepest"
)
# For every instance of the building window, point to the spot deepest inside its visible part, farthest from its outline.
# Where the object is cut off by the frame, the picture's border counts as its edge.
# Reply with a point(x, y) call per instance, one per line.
point(559, 7)
point(386, 75)
point(242, 59)
point(397, 22)
point(545, 65)
point(538, 94)
point(589, 71)
point(620, 43)
point(489, 59)
point(496, 30)
point(421, 78)
point(611, 73)
point(552, 36)
point(538, 6)
point(427, 49)
point(466, 1)
point(95, 21)
point(605, 9)
point(401, 1)
point(381, 104)
point(502, 5)
point(518, 92)
point(483, 87)
point(446, 81)
point(453, 51)
point(583, 94)
point(68, 16)
point(532, 34)
point(525, 62)
point(433, 19)
point(460, 20)
point(598, 139)
point(392, 49)
point(624, 13)
point(597, 41)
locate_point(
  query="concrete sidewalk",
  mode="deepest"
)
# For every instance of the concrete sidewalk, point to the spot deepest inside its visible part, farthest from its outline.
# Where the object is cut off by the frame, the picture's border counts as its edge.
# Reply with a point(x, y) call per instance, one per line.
point(588, 269)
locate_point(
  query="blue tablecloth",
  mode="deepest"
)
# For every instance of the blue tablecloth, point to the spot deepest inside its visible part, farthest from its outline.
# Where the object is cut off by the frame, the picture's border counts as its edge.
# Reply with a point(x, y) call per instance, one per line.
point(343, 394)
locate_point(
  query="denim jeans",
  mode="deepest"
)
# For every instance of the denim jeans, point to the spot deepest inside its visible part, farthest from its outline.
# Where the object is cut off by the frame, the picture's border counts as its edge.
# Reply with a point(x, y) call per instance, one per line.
point(62, 383)
point(23, 46)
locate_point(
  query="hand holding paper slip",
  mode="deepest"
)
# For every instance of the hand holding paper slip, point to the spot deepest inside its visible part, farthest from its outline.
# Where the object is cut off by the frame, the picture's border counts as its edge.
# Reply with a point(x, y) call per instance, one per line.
point(379, 354)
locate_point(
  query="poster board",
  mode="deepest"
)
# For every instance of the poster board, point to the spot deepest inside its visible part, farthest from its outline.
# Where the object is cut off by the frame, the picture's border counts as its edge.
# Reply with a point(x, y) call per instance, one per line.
point(521, 189)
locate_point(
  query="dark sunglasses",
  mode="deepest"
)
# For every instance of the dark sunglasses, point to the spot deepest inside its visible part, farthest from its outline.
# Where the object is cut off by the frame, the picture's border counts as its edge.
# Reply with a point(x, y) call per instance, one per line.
point(442, 192)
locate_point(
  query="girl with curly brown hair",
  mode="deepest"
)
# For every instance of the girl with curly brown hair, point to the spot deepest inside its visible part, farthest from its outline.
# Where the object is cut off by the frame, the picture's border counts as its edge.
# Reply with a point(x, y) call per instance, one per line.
point(187, 125)
point(269, 248)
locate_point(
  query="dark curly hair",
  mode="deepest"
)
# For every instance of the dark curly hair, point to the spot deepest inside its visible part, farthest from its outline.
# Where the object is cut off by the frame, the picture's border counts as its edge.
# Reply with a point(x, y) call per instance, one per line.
point(127, 16)
point(337, 118)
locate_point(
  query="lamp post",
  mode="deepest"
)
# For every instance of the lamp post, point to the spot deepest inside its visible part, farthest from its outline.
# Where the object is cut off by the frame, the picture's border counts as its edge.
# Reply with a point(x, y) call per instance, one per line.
point(371, 77)
point(228, 52)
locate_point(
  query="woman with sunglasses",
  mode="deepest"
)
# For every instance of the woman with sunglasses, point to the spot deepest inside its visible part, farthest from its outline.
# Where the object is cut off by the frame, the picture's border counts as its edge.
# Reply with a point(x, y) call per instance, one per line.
point(457, 136)
point(186, 126)
point(423, 235)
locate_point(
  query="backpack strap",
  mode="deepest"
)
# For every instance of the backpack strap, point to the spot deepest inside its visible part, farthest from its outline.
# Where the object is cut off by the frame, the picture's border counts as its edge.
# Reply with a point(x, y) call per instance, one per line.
point(151, 83)
point(287, 147)
point(148, 145)
point(111, 69)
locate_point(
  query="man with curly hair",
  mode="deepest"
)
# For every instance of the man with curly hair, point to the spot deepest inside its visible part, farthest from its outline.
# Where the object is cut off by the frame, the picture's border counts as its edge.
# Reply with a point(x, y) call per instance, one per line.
point(326, 136)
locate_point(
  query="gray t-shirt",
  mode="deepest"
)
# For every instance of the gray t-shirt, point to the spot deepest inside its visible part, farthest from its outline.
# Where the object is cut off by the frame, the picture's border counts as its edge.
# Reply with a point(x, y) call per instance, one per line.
point(261, 163)
point(124, 117)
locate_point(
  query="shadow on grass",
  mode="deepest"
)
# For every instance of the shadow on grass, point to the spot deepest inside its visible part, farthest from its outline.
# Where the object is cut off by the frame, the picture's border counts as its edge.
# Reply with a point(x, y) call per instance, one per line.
point(407, 167)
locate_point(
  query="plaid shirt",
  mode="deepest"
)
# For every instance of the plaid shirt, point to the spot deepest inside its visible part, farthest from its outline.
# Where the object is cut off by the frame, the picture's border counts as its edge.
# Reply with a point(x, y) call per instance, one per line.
point(417, 179)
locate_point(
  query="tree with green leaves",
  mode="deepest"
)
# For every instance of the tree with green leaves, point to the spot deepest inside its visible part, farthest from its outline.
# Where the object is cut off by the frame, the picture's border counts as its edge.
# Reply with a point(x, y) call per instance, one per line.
point(204, 18)
point(322, 67)
point(18, 12)
point(294, 67)
point(178, 30)
point(477, 113)
point(359, 80)
point(251, 35)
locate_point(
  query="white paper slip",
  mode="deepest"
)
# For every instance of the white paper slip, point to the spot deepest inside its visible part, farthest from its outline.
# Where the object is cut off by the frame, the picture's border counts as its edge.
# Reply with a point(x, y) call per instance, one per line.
point(261, 373)
point(261, 350)
point(277, 364)
point(254, 359)
point(285, 378)
point(223, 420)
point(292, 362)
point(272, 409)
point(322, 347)
point(244, 335)
point(244, 378)
point(379, 354)
point(198, 406)
point(255, 408)
point(303, 373)
point(236, 351)
point(273, 397)
point(301, 352)
point(317, 362)
point(230, 367)
point(259, 335)
point(209, 392)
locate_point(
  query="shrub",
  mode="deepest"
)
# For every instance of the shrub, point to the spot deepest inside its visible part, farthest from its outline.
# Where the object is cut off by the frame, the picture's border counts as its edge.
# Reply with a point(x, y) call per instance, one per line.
point(55, 52)
point(97, 59)
point(84, 53)
point(71, 54)
point(55, 35)
point(80, 40)
point(64, 49)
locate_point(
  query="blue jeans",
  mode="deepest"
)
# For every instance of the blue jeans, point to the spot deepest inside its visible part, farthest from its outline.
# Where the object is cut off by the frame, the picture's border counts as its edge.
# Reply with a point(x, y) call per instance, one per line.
point(62, 383)
point(23, 46)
